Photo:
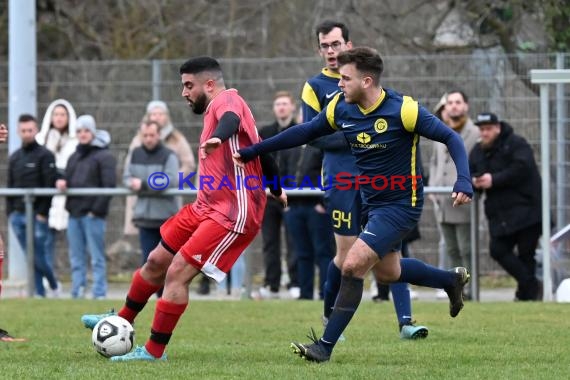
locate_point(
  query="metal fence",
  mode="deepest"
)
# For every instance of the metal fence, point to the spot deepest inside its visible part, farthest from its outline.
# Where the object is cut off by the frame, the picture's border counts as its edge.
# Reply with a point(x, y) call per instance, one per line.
point(116, 93)
point(29, 196)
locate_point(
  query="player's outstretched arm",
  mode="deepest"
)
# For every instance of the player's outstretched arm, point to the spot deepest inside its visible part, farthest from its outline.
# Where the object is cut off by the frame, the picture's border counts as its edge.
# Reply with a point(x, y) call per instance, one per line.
point(431, 127)
point(291, 137)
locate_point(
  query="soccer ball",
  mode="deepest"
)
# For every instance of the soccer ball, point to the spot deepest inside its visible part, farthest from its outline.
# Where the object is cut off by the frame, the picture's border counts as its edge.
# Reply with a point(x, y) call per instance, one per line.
point(113, 336)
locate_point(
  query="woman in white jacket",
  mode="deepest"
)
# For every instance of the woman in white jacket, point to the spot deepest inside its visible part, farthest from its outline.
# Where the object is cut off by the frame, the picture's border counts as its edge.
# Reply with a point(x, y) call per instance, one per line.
point(57, 133)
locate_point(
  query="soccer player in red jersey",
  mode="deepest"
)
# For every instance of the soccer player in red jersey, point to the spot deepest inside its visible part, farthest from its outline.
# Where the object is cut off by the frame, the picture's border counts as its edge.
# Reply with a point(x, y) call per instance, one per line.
point(208, 235)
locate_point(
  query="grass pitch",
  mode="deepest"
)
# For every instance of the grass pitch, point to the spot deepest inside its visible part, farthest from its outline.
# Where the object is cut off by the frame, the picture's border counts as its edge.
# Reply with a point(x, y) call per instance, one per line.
point(250, 340)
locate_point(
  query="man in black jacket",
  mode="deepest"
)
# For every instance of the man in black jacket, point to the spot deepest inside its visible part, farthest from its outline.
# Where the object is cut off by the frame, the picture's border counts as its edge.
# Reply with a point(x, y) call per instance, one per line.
point(284, 112)
point(92, 165)
point(503, 166)
point(32, 166)
point(306, 218)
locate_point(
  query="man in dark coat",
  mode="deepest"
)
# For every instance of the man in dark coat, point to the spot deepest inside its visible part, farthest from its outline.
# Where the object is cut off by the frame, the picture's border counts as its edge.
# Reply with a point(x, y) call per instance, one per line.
point(284, 111)
point(503, 166)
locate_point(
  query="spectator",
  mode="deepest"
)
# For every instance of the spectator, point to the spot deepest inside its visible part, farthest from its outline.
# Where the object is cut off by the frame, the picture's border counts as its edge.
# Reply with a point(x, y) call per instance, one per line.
point(502, 165)
point(172, 138)
point(32, 166)
point(150, 210)
point(57, 134)
point(455, 222)
point(441, 113)
point(284, 112)
point(92, 165)
point(310, 224)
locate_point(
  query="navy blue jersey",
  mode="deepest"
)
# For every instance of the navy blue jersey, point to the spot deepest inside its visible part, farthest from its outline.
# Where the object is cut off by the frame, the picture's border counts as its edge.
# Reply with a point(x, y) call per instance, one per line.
point(317, 93)
point(384, 139)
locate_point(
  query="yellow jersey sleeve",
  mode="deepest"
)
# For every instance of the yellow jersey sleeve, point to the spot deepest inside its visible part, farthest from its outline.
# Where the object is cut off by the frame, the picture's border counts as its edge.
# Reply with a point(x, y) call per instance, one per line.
point(409, 113)
point(330, 110)
point(309, 97)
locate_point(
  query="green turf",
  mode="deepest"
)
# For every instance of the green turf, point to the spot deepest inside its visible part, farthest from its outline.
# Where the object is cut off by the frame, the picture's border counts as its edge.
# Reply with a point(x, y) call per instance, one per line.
point(250, 340)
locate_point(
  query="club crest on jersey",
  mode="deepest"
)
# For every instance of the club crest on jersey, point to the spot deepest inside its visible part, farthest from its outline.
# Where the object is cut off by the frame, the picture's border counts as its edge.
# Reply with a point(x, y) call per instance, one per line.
point(363, 138)
point(380, 126)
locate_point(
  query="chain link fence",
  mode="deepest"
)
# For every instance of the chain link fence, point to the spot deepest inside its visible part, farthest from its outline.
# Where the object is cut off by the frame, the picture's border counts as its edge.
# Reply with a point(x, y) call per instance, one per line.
point(116, 94)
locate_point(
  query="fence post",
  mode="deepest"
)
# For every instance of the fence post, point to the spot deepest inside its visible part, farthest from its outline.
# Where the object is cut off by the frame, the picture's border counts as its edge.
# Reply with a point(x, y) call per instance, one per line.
point(475, 247)
point(156, 79)
point(560, 149)
point(29, 202)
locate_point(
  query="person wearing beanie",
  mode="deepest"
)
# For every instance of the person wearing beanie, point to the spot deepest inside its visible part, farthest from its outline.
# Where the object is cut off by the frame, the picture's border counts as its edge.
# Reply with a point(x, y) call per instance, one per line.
point(92, 165)
point(171, 138)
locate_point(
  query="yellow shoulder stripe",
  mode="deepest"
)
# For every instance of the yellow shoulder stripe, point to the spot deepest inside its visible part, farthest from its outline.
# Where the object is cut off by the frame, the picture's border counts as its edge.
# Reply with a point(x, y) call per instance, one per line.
point(409, 113)
point(310, 98)
point(330, 110)
point(329, 73)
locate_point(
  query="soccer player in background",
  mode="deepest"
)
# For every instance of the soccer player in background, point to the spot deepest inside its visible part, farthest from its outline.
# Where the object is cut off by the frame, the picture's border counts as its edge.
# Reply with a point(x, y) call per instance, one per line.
point(344, 206)
point(208, 235)
point(383, 129)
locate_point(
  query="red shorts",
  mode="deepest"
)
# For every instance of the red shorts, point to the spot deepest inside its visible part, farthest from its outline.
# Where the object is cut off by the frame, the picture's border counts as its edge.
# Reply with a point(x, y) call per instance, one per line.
point(204, 243)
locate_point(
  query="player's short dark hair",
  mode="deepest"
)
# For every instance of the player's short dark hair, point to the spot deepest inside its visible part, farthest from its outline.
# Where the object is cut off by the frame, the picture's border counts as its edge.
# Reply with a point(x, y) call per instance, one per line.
point(25, 117)
point(460, 92)
point(326, 26)
point(199, 65)
point(366, 60)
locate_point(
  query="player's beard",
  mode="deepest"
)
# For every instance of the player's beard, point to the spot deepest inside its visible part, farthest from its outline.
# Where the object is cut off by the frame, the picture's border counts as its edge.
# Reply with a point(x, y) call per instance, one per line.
point(199, 106)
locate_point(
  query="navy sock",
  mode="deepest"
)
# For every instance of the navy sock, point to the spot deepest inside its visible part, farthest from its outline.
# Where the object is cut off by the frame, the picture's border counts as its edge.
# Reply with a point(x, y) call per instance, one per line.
point(417, 272)
point(349, 296)
point(402, 302)
point(332, 286)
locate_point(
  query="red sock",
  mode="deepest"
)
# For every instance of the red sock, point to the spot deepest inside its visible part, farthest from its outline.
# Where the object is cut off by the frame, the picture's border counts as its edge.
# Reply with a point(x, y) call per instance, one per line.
point(137, 297)
point(165, 319)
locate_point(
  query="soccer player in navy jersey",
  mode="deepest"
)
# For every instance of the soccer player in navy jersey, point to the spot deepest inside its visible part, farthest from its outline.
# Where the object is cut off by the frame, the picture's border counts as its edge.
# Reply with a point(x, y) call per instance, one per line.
point(383, 129)
point(344, 206)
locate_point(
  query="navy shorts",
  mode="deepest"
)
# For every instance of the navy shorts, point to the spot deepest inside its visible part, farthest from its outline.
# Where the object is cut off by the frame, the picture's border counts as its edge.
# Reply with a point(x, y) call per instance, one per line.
point(344, 207)
point(387, 225)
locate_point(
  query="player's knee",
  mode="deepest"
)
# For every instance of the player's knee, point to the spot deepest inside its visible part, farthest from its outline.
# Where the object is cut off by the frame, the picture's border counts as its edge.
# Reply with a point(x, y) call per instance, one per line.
point(352, 269)
point(390, 277)
point(175, 268)
point(387, 275)
point(155, 265)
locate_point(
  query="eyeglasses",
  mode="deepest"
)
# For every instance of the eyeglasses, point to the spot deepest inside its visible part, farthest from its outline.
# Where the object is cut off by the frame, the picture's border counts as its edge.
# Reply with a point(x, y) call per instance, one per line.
point(335, 46)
